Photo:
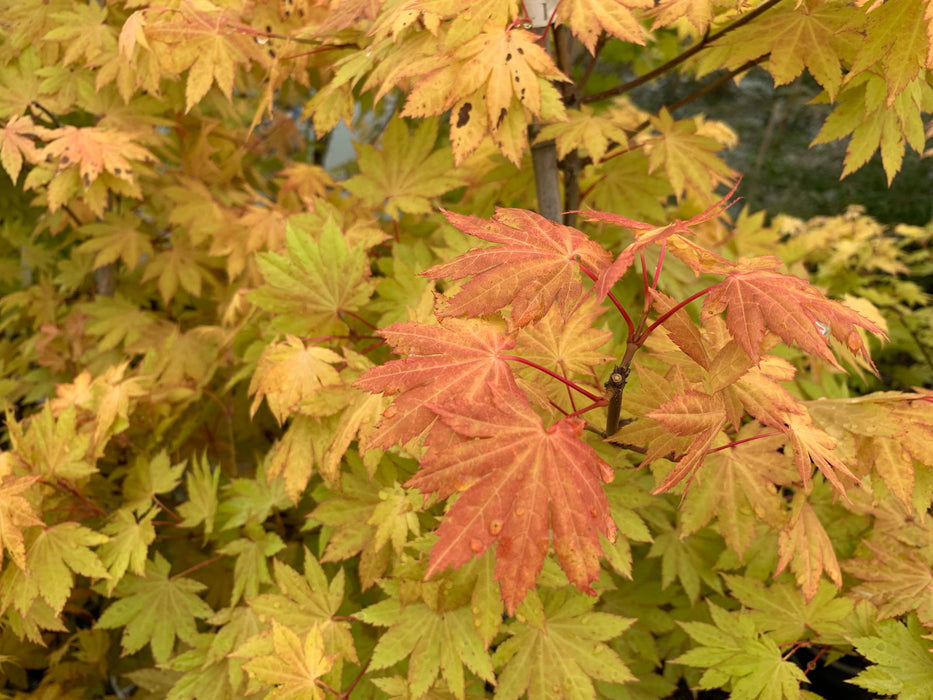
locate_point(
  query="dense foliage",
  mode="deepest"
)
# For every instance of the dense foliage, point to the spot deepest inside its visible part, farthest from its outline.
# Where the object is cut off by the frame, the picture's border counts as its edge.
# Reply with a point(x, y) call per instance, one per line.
point(519, 401)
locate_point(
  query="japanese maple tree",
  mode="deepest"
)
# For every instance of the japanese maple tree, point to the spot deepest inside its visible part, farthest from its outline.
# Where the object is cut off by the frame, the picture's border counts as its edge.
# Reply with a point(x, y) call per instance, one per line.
point(521, 401)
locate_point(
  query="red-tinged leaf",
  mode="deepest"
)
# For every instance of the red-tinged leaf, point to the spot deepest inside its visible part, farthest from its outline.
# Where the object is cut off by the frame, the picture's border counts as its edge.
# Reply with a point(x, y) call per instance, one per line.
point(523, 485)
point(811, 443)
point(15, 514)
point(459, 358)
point(648, 234)
point(759, 300)
point(805, 546)
point(535, 264)
point(690, 413)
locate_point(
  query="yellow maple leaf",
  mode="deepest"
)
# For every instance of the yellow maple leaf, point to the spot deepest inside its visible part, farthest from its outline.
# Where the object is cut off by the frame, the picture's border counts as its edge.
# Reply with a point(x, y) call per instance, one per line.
point(804, 545)
point(587, 19)
point(585, 129)
point(17, 144)
point(688, 156)
point(289, 374)
point(488, 84)
point(15, 513)
point(294, 665)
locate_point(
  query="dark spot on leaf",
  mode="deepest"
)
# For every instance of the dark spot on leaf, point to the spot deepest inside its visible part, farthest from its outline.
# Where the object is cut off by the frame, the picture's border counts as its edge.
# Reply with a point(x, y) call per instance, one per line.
point(508, 57)
point(517, 79)
point(501, 117)
point(87, 180)
point(463, 114)
point(65, 160)
point(521, 50)
point(117, 171)
point(522, 95)
point(272, 53)
point(268, 29)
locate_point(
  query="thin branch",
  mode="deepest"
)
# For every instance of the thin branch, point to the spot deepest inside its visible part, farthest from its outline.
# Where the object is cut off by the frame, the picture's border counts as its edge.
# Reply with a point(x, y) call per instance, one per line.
point(194, 568)
point(680, 58)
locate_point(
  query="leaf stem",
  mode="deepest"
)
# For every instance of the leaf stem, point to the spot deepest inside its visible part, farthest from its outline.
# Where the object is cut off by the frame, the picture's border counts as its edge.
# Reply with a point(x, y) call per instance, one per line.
point(670, 312)
point(748, 439)
point(194, 568)
point(555, 375)
point(628, 319)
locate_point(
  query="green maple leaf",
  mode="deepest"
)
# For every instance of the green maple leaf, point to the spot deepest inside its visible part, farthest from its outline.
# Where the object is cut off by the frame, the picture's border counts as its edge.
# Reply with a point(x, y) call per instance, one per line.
point(734, 652)
point(307, 601)
point(53, 556)
point(156, 609)
point(435, 643)
point(149, 477)
point(407, 173)
point(251, 568)
point(201, 484)
point(51, 446)
point(315, 282)
point(903, 664)
point(782, 609)
point(129, 544)
point(558, 650)
point(252, 500)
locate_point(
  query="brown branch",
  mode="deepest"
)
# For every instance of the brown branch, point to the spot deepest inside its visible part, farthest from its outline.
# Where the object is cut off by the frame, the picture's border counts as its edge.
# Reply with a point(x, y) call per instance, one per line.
point(680, 58)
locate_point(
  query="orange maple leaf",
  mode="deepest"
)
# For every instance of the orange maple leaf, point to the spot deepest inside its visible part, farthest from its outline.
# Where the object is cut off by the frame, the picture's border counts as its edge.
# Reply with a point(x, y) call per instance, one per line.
point(460, 358)
point(521, 482)
point(535, 264)
point(647, 234)
point(95, 150)
point(805, 546)
point(757, 299)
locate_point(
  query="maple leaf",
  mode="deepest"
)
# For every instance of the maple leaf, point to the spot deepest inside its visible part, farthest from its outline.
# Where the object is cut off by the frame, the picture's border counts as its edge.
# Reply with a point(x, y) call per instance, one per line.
point(757, 299)
point(53, 556)
point(586, 129)
point(294, 666)
point(794, 38)
point(251, 568)
point(95, 150)
point(535, 264)
point(128, 547)
point(156, 609)
point(461, 356)
point(782, 610)
point(308, 601)
point(83, 32)
point(559, 649)
point(695, 414)
point(647, 234)
point(687, 156)
point(116, 238)
point(17, 143)
point(739, 487)
point(201, 487)
point(289, 374)
point(587, 19)
point(902, 664)
point(436, 643)
point(804, 545)
point(16, 513)
point(899, 579)
point(349, 522)
point(315, 283)
point(407, 173)
point(895, 43)
point(520, 482)
point(732, 650)
point(489, 83)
